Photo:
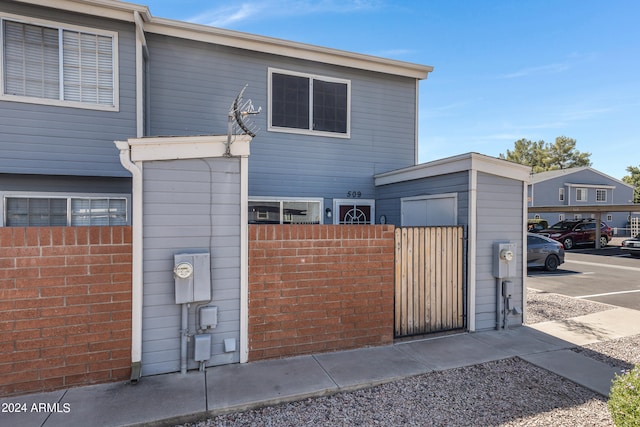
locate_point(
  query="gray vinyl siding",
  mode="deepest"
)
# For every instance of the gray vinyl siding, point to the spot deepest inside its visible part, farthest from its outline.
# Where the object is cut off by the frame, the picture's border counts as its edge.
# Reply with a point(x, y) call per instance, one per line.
point(388, 196)
point(53, 140)
point(189, 205)
point(499, 219)
point(193, 84)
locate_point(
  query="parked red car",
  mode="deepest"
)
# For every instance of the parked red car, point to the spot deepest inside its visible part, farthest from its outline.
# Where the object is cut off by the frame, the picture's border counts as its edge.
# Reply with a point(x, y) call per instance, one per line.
point(578, 232)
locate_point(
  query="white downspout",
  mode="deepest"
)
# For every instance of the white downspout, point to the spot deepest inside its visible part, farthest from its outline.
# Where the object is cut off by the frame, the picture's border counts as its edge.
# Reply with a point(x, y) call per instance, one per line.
point(244, 259)
point(472, 244)
point(136, 273)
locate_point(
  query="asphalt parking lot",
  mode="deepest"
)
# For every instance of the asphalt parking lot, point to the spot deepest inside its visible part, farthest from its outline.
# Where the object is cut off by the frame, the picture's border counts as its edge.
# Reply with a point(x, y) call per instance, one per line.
point(605, 275)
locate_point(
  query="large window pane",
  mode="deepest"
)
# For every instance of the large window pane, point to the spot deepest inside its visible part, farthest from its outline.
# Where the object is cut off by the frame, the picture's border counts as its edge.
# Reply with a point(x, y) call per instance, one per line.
point(42, 211)
point(329, 106)
point(301, 212)
point(40, 62)
point(88, 68)
point(17, 212)
point(290, 101)
point(284, 212)
point(25, 212)
point(98, 212)
point(264, 212)
point(31, 61)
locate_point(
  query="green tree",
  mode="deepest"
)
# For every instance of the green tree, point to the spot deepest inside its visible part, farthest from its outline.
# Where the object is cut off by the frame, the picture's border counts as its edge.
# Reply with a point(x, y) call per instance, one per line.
point(542, 156)
point(633, 179)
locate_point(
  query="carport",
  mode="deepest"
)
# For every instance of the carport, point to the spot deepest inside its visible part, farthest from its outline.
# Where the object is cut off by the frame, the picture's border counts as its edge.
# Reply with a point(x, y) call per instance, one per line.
point(598, 210)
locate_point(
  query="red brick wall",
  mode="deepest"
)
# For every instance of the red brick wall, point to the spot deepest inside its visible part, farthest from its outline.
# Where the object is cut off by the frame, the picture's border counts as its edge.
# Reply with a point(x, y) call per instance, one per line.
point(319, 288)
point(65, 307)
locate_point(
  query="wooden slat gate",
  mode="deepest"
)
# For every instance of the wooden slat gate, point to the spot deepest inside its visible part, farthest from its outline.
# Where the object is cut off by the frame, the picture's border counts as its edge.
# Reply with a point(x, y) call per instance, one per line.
point(429, 280)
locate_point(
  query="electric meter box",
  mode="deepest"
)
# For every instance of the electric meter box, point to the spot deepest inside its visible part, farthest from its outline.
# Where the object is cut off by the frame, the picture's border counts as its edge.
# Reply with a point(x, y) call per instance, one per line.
point(192, 274)
point(504, 260)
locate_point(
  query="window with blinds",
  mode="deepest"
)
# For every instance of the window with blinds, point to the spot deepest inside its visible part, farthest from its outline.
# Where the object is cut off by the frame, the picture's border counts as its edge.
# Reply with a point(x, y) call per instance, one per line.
point(58, 64)
point(65, 211)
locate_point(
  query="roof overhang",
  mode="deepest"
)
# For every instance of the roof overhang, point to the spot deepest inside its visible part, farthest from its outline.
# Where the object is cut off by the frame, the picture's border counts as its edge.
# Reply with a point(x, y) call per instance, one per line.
point(118, 10)
point(461, 163)
point(126, 12)
point(571, 185)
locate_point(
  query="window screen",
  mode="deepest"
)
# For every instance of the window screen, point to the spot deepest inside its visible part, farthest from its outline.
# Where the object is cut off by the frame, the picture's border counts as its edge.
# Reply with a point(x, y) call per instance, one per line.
point(290, 101)
point(309, 103)
point(64, 211)
point(329, 106)
point(31, 61)
point(40, 62)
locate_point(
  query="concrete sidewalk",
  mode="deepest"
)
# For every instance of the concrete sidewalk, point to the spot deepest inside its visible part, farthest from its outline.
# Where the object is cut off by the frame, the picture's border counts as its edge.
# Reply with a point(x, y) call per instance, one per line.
point(176, 398)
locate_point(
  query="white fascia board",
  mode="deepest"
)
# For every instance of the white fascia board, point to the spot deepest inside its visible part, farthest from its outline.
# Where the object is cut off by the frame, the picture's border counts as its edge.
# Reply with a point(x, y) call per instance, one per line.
point(287, 48)
point(187, 147)
point(461, 163)
point(610, 187)
point(125, 12)
point(117, 10)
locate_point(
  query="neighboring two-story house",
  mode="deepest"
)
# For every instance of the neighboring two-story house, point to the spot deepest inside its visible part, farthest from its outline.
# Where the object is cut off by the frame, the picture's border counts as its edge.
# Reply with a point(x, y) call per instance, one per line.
point(576, 187)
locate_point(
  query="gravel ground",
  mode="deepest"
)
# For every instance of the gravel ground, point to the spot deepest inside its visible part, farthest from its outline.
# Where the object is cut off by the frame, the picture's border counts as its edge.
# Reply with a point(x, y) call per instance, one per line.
point(509, 392)
point(543, 307)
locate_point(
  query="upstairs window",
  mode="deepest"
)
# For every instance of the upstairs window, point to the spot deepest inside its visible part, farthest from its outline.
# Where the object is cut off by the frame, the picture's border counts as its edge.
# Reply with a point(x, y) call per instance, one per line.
point(581, 194)
point(304, 103)
point(42, 63)
point(601, 195)
point(561, 194)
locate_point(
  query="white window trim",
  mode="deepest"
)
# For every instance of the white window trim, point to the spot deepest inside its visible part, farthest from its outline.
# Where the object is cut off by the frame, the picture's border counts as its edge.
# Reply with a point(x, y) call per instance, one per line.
point(67, 196)
point(353, 202)
point(54, 102)
point(561, 194)
point(309, 131)
point(582, 190)
point(318, 200)
point(600, 191)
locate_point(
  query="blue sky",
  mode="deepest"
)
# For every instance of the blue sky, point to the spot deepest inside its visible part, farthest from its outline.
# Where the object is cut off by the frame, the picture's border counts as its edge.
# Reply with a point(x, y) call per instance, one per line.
point(503, 69)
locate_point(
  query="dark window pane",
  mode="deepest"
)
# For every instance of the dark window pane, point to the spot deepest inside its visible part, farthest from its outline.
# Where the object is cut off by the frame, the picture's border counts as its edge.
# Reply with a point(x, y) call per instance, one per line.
point(358, 214)
point(290, 101)
point(264, 212)
point(329, 106)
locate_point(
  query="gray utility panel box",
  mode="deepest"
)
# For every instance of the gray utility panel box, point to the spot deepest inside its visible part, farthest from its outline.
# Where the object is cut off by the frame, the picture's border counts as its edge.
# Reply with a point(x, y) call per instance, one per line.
point(504, 260)
point(192, 273)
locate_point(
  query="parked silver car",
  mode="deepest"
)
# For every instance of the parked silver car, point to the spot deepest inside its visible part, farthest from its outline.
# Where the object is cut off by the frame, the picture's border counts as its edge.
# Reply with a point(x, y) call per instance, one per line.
point(632, 246)
point(544, 252)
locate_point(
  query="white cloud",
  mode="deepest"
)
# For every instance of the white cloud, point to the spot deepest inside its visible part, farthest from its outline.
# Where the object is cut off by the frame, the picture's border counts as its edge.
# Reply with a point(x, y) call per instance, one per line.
point(542, 69)
point(229, 15)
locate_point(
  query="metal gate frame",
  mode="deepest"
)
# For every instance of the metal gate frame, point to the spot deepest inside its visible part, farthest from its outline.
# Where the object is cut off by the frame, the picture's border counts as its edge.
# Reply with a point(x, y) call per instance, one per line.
point(430, 289)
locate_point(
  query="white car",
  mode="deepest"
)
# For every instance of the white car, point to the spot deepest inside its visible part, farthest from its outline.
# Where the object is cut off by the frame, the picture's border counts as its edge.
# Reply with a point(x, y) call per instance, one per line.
point(632, 246)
